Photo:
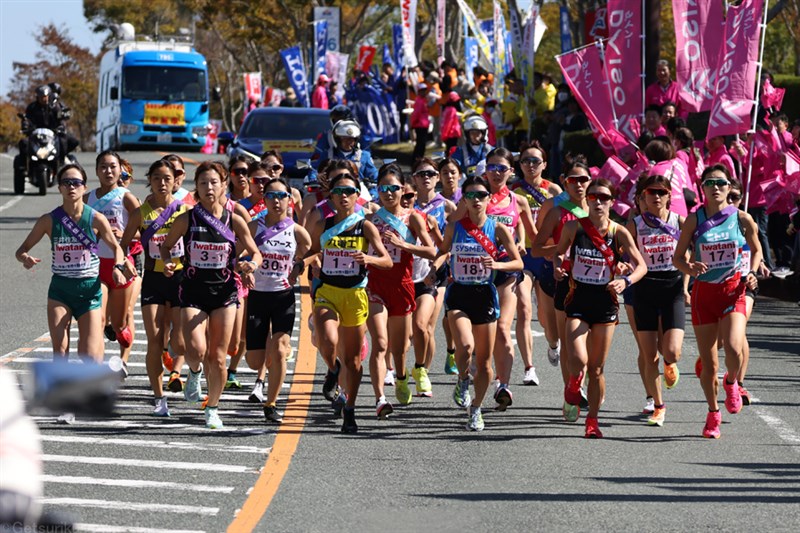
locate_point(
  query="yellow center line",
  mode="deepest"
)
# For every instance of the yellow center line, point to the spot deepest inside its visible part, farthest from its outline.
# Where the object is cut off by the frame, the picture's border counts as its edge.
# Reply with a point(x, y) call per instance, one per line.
point(288, 436)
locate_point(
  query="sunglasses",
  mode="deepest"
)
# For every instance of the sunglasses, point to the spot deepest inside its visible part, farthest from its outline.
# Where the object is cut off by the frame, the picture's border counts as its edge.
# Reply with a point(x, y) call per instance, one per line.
point(343, 175)
point(716, 183)
point(240, 171)
point(71, 183)
point(260, 181)
point(426, 173)
point(407, 197)
point(344, 191)
point(389, 188)
point(734, 197)
point(657, 192)
point(276, 167)
point(476, 195)
point(497, 168)
point(533, 161)
point(599, 197)
point(276, 195)
point(578, 178)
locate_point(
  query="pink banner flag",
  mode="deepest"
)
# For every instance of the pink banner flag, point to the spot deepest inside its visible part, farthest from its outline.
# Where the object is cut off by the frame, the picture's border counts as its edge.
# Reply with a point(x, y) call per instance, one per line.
point(441, 20)
point(771, 96)
point(614, 170)
point(365, 56)
point(583, 70)
point(624, 63)
point(252, 86)
point(736, 77)
point(699, 29)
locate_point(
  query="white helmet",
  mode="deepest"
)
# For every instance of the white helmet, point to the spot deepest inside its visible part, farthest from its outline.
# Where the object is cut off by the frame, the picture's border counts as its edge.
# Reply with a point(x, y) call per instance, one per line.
point(347, 128)
point(475, 122)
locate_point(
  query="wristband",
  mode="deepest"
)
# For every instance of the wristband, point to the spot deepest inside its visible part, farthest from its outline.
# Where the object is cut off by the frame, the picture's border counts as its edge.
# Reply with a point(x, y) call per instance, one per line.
point(120, 267)
point(628, 281)
point(753, 272)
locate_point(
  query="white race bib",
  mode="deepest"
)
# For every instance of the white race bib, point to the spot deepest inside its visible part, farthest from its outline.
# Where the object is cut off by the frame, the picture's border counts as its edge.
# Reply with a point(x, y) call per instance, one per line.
point(275, 265)
point(70, 257)
point(658, 251)
point(154, 246)
point(590, 270)
point(209, 255)
point(339, 262)
point(719, 254)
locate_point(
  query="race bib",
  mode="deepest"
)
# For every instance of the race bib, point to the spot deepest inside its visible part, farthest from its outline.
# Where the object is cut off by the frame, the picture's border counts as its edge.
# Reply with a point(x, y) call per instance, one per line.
point(394, 252)
point(70, 257)
point(275, 265)
point(658, 251)
point(719, 254)
point(339, 262)
point(154, 246)
point(744, 266)
point(209, 255)
point(590, 270)
point(468, 264)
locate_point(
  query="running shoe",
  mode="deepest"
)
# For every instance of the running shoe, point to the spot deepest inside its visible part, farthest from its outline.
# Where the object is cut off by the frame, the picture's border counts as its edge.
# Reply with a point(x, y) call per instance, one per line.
point(192, 392)
point(572, 391)
point(257, 396)
point(571, 412)
point(331, 381)
point(747, 399)
point(649, 406)
point(291, 355)
point(161, 407)
point(657, 418)
point(175, 384)
point(123, 371)
point(711, 429)
point(167, 361)
point(733, 400)
point(503, 397)
point(450, 364)
point(585, 399)
point(66, 418)
point(232, 382)
point(213, 421)
point(388, 380)
point(671, 375)
point(125, 337)
point(402, 391)
point(338, 404)
point(592, 429)
point(109, 332)
point(349, 421)
point(461, 393)
point(530, 377)
point(475, 422)
point(272, 415)
point(554, 354)
point(383, 409)
point(422, 382)
point(698, 366)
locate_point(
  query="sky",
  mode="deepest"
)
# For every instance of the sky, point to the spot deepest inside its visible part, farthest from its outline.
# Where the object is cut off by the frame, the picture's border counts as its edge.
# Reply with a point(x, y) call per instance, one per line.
point(20, 19)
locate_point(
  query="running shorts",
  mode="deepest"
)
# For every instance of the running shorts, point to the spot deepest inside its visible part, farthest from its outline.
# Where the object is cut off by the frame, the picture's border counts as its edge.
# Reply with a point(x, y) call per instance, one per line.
point(659, 298)
point(560, 294)
point(351, 304)
point(545, 278)
point(80, 295)
point(268, 311)
point(421, 288)
point(591, 305)
point(138, 262)
point(712, 301)
point(158, 289)
point(397, 299)
point(106, 271)
point(479, 302)
point(207, 296)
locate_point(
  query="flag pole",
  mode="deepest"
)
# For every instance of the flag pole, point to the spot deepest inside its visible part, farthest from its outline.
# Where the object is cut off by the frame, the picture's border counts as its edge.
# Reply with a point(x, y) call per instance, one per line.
point(643, 75)
point(593, 43)
point(755, 105)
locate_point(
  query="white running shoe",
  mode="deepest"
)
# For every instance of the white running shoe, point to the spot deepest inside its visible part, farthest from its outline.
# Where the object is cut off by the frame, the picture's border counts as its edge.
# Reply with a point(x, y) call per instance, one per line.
point(66, 418)
point(554, 354)
point(213, 421)
point(191, 391)
point(530, 377)
point(257, 396)
point(649, 407)
point(389, 379)
point(161, 407)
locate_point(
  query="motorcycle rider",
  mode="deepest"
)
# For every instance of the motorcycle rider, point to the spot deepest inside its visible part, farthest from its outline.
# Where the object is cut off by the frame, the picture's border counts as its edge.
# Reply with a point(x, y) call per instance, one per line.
point(473, 148)
point(345, 136)
point(325, 139)
point(46, 112)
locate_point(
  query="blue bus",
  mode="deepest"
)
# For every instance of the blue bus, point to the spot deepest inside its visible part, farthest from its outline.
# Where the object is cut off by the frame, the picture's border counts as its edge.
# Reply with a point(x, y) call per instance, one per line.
point(154, 95)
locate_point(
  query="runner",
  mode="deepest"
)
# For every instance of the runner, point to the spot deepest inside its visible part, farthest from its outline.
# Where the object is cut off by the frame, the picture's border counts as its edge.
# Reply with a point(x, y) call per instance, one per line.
point(160, 305)
point(115, 203)
point(271, 301)
point(391, 292)
point(340, 300)
point(239, 187)
point(717, 232)
point(135, 250)
point(536, 190)
point(660, 297)
point(208, 291)
point(595, 276)
point(449, 174)
point(75, 231)
point(472, 304)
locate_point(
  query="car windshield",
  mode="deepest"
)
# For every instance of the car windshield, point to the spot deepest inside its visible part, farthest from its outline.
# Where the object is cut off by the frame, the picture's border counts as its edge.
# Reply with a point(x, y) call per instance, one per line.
point(164, 83)
point(284, 126)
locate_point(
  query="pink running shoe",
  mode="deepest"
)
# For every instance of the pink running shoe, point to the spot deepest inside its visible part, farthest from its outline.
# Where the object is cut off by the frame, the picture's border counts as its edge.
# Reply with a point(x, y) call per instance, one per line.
point(733, 400)
point(747, 399)
point(125, 337)
point(572, 392)
point(711, 430)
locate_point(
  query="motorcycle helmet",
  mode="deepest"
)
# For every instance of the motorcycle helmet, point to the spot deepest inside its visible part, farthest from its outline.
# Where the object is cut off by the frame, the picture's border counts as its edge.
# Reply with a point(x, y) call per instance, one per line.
point(43, 91)
point(340, 112)
point(56, 87)
point(346, 128)
point(477, 123)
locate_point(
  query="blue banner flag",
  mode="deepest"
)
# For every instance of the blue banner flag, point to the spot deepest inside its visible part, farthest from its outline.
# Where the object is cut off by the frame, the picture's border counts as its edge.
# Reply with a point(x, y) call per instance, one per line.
point(296, 72)
point(387, 57)
point(375, 111)
point(321, 45)
point(566, 35)
point(470, 55)
point(397, 44)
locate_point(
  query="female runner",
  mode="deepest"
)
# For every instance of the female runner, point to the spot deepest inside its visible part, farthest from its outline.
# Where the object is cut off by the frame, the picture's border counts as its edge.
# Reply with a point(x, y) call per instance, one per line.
point(595, 277)
point(471, 301)
point(208, 291)
point(449, 174)
point(718, 231)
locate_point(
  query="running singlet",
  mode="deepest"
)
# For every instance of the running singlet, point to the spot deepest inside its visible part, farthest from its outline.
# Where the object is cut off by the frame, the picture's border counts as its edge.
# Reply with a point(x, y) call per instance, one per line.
point(534, 202)
point(210, 256)
point(588, 264)
point(257, 210)
point(112, 206)
point(152, 251)
point(466, 255)
point(435, 208)
point(278, 251)
point(402, 261)
point(71, 259)
point(339, 268)
point(719, 248)
point(656, 245)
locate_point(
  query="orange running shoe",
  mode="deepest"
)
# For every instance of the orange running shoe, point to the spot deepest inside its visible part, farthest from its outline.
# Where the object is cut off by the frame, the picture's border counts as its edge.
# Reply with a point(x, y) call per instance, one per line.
point(167, 361)
point(671, 375)
point(657, 418)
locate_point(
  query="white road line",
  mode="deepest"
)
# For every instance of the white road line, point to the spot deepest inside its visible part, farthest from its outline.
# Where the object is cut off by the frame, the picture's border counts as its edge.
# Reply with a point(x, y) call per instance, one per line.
point(135, 483)
point(107, 528)
point(11, 203)
point(784, 431)
point(119, 461)
point(128, 424)
point(154, 444)
point(131, 506)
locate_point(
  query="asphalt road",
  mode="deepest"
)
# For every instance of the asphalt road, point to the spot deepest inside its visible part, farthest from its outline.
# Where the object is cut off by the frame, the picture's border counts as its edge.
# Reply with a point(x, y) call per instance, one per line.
point(420, 470)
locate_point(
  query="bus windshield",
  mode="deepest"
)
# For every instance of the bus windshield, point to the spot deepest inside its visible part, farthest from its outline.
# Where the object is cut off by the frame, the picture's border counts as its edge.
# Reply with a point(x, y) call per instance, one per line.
point(164, 83)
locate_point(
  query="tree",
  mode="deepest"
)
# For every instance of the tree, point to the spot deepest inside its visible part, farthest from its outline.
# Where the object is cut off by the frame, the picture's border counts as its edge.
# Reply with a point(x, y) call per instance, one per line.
point(791, 19)
point(74, 67)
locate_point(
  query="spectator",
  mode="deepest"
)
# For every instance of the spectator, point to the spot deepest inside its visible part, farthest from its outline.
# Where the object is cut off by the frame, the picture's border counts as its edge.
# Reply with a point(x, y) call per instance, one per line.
point(451, 126)
point(652, 120)
point(664, 89)
point(420, 121)
point(290, 100)
point(544, 97)
point(319, 98)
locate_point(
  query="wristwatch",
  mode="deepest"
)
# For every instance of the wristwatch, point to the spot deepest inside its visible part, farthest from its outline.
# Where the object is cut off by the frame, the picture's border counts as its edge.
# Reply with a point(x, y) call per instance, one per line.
point(120, 267)
point(628, 281)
